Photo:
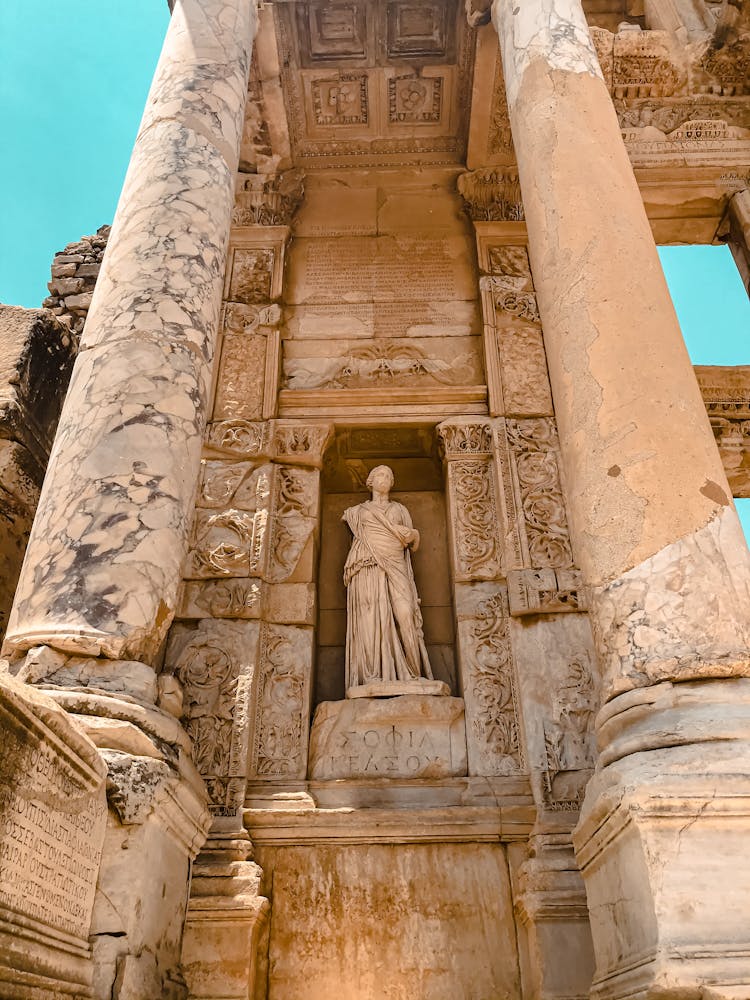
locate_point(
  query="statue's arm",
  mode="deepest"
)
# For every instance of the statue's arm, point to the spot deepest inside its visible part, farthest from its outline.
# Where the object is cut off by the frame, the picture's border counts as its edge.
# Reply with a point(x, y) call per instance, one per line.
point(411, 535)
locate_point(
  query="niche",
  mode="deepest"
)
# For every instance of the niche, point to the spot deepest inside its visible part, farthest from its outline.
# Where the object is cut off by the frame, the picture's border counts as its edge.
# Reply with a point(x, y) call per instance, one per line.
point(411, 451)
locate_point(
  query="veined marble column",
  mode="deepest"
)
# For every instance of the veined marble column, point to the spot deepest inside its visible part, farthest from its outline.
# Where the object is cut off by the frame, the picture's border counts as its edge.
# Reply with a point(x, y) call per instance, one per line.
point(660, 840)
point(104, 560)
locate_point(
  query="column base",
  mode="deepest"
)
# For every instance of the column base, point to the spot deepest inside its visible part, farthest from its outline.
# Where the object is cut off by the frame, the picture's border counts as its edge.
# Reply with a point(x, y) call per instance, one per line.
point(226, 921)
point(662, 844)
point(551, 904)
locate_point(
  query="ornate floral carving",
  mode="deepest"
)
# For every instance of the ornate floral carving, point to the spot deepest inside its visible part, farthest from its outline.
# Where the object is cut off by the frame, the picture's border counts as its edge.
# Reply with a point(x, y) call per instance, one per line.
point(533, 443)
point(475, 525)
point(727, 57)
point(490, 689)
point(465, 438)
point(294, 519)
point(281, 716)
point(492, 195)
point(301, 443)
point(414, 99)
point(384, 363)
point(227, 543)
point(230, 599)
point(214, 664)
point(340, 100)
point(568, 737)
point(268, 199)
point(238, 437)
point(511, 295)
point(545, 591)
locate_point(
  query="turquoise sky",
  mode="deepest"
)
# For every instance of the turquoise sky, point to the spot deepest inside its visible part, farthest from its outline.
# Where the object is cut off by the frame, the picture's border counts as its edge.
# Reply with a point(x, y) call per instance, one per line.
point(73, 81)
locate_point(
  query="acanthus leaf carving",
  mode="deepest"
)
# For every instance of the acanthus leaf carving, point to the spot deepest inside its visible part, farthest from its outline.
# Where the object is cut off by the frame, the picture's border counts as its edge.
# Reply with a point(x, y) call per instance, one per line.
point(492, 194)
point(490, 687)
point(268, 199)
point(533, 443)
point(282, 703)
point(475, 528)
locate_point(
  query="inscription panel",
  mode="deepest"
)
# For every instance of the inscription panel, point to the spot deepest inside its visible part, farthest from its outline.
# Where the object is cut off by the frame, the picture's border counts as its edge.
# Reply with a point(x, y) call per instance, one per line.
point(384, 269)
point(417, 737)
point(52, 819)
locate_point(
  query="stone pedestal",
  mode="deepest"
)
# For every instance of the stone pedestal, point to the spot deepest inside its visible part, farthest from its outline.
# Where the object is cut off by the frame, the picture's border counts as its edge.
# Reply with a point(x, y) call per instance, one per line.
point(52, 818)
point(226, 920)
point(392, 689)
point(652, 525)
point(412, 736)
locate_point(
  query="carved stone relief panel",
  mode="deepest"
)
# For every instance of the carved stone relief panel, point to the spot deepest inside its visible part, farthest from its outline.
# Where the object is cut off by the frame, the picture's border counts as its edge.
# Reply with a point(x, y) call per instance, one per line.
point(215, 662)
point(517, 378)
point(254, 521)
point(247, 375)
point(476, 549)
point(535, 454)
point(557, 684)
point(230, 531)
point(489, 680)
point(295, 520)
point(282, 704)
point(255, 264)
point(267, 199)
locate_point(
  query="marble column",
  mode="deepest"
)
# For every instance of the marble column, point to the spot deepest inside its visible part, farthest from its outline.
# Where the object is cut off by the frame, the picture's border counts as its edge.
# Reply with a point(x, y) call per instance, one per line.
point(104, 560)
point(655, 532)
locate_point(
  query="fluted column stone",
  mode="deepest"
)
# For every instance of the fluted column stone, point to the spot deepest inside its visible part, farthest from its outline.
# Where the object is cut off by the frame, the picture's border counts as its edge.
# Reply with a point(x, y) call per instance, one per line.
point(655, 533)
point(104, 560)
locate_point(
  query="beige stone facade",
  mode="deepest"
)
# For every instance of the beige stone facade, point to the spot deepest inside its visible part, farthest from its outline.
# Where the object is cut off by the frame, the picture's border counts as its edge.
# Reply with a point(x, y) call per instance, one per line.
point(419, 235)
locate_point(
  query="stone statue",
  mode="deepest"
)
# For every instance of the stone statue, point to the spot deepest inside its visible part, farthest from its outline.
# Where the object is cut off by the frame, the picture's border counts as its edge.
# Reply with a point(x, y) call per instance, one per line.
point(384, 638)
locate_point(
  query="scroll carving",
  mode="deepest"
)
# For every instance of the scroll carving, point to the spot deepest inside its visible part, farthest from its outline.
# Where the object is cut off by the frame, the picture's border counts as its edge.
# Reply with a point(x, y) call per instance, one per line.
point(534, 446)
point(215, 664)
point(294, 519)
point(475, 528)
point(490, 690)
point(282, 703)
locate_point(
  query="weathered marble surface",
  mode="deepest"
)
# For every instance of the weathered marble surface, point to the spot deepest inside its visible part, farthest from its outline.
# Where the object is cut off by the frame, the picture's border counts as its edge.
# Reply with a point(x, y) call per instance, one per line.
point(345, 921)
point(554, 31)
point(105, 580)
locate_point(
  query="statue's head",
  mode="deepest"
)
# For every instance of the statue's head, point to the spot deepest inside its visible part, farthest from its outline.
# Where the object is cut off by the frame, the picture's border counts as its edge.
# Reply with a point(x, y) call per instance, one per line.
point(382, 477)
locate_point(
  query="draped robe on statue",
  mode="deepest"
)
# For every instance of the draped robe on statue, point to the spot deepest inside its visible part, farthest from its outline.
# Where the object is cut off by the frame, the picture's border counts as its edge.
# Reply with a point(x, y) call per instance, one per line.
point(384, 638)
